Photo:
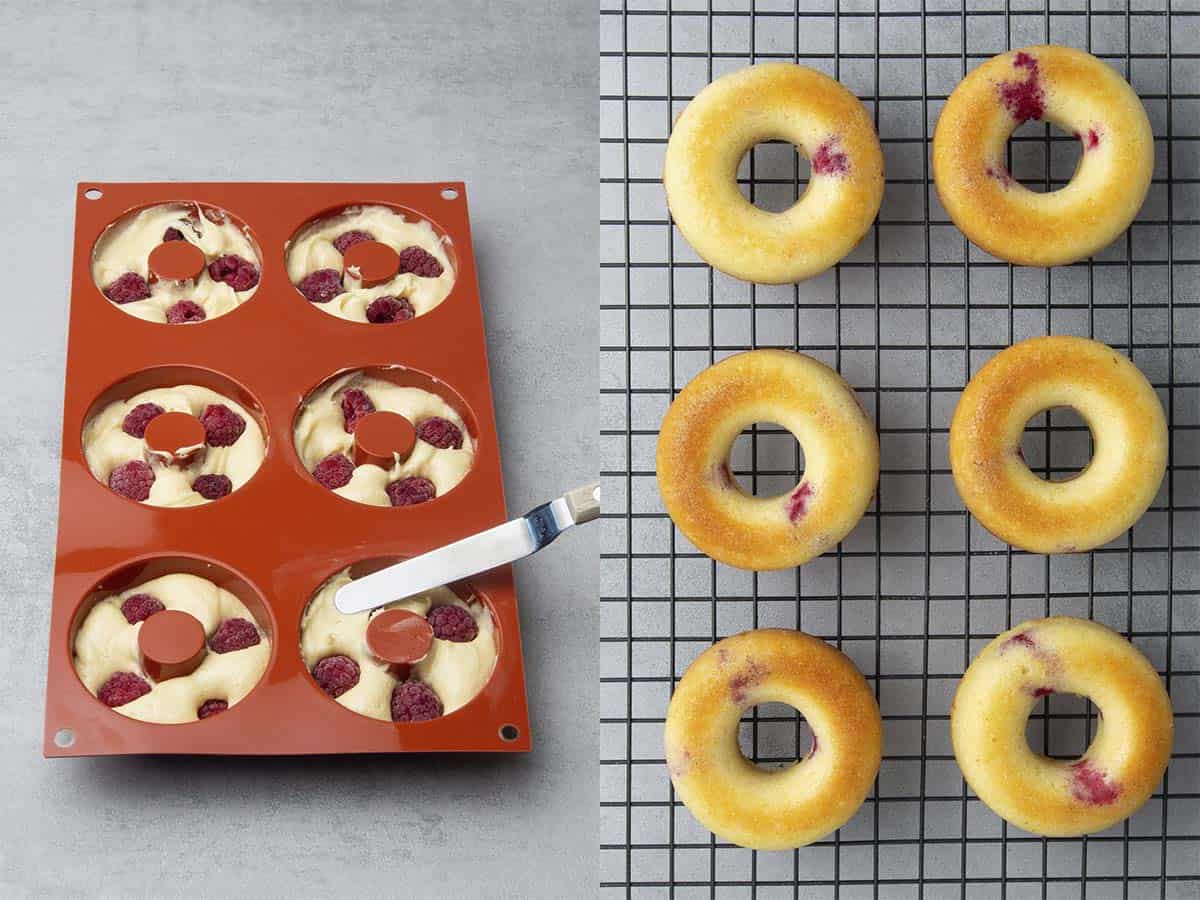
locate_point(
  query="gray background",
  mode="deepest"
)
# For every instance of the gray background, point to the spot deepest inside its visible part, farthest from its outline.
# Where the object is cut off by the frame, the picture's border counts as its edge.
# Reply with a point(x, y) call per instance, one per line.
point(917, 588)
point(500, 94)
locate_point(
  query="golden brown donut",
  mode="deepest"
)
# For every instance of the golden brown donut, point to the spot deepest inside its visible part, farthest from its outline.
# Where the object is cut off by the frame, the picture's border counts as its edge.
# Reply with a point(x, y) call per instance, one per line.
point(1129, 434)
point(1080, 94)
point(734, 798)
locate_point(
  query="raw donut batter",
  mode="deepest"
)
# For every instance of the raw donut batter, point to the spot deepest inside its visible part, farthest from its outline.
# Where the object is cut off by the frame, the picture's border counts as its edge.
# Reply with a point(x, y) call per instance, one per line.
point(456, 670)
point(320, 434)
point(111, 442)
point(319, 246)
point(124, 250)
point(106, 648)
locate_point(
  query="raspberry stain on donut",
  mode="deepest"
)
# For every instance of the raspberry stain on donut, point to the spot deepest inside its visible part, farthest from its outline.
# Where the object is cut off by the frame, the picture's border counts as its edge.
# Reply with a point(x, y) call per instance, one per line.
point(1025, 100)
point(724, 475)
point(1023, 639)
point(1001, 175)
point(1089, 786)
point(828, 160)
point(679, 764)
point(1090, 138)
point(750, 676)
point(798, 502)
point(1042, 691)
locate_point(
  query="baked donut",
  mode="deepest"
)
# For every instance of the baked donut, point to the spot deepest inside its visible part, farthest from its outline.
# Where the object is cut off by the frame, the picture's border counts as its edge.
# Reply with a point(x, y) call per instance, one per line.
point(1117, 772)
point(841, 460)
point(1080, 94)
point(1129, 434)
point(824, 121)
point(734, 798)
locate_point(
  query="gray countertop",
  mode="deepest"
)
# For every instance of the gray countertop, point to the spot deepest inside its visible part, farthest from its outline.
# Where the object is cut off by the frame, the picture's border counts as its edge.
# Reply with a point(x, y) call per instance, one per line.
point(499, 94)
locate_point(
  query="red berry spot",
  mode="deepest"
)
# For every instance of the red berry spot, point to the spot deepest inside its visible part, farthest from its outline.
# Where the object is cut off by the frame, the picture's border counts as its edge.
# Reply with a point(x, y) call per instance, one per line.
point(1090, 787)
point(440, 432)
point(333, 471)
point(1023, 639)
point(814, 745)
point(233, 634)
point(411, 491)
point(1042, 691)
point(383, 310)
point(797, 504)
point(172, 234)
point(122, 688)
point(1090, 139)
point(830, 161)
point(138, 607)
point(240, 274)
point(222, 426)
point(355, 405)
point(185, 312)
point(129, 287)
point(724, 475)
point(415, 701)
point(1000, 174)
point(419, 262)
point(746, 679)
point(132, 479)
point(336, 674)
point(321, 286)
point(212, 487)
point(211, 708)
point(348, 239)
point(453, 623)
point(139, 417)
point(1024, 100)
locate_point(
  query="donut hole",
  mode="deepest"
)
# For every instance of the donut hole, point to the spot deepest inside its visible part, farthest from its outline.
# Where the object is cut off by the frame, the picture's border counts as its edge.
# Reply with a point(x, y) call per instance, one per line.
point(1062, 726)
point(1042, 156)
point(1057, 444)
point(773, 175)
point(774, 736)
point(766, 460)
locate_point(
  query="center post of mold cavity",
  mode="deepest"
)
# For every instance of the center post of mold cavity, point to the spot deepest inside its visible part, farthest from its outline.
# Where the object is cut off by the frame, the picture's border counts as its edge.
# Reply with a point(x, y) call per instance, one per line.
point(380, 437)
point(176, 261)
point(175, 438)
point(171, 644)
point(399, 636)
point(374, 262)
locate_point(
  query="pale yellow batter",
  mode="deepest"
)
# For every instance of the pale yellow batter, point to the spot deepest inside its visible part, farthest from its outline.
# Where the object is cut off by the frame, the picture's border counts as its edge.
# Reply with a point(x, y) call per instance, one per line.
point(457, 672)
point(106, 643)
point(320, 430)
point(126, 245)
point(313, 249)
point(106, 446)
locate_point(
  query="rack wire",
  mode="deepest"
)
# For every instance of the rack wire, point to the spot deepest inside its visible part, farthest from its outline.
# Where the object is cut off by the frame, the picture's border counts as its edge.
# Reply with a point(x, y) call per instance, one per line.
point(918, 588)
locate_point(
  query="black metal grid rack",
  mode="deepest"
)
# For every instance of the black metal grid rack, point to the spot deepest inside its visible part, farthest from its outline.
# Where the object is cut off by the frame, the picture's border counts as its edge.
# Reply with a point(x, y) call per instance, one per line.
point(918, 588)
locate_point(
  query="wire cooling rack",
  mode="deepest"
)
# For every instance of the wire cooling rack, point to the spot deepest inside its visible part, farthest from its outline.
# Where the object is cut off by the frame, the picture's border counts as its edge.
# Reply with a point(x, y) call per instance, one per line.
point(918, 588)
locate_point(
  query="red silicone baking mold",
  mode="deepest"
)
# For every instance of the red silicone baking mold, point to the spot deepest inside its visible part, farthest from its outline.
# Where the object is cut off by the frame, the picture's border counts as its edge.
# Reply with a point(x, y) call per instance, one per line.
point(274, 541)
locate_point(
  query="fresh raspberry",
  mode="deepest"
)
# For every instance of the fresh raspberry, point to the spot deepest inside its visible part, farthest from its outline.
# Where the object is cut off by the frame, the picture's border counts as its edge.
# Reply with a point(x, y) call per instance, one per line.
point(240, 274)
point(122, 688)
point(222, 426)
point(440, 432)
point(419, 262)
point(132, 479)
point(355, 405)
point(139, 417)
point(383, 310)
point(415, 701)
point(348, 239)
point(129, 287)
point(172, 234)
point(333, 471)
point(321, 286)
point(233, 634)
point(138, 607)
point(184, 312)
point(211, 708)
point(453, 623)
point(336, 674)
point(212, 487)
point(410, 491)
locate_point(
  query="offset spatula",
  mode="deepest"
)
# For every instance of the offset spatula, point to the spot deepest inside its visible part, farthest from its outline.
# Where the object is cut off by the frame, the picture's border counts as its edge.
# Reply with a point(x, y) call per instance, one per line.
point(495, 547)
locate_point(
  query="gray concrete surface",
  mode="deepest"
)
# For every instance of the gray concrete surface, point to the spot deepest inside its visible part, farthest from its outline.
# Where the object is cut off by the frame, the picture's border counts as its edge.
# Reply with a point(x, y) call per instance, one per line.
point(501, 94)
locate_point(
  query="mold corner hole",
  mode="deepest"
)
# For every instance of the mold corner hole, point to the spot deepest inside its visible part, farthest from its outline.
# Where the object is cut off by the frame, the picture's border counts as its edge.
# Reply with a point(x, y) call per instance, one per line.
point(509, 732)
point(93, 193)
point(64, 737)
point(449, 193)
